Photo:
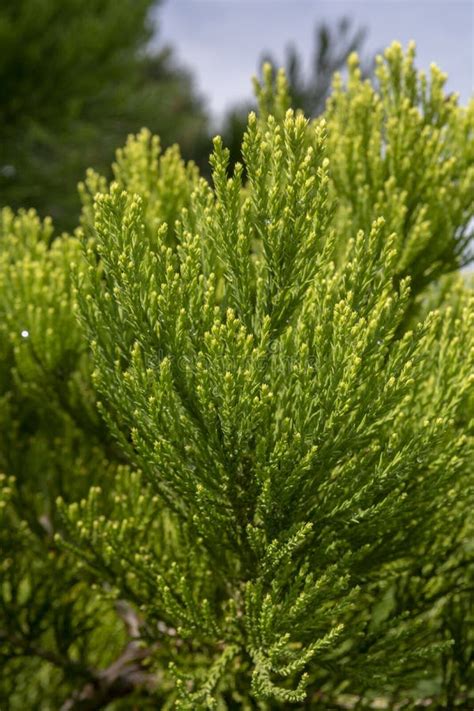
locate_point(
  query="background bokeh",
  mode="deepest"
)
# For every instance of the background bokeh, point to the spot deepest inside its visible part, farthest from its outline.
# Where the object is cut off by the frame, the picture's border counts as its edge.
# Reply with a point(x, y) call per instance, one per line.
point(222, 40)
point(77, 77)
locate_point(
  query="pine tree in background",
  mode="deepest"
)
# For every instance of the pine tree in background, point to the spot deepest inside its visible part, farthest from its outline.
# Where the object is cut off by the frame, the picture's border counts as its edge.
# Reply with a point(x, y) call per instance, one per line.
point(308, 90)
point(75, 79)
point(242, 476)
point(331, 50)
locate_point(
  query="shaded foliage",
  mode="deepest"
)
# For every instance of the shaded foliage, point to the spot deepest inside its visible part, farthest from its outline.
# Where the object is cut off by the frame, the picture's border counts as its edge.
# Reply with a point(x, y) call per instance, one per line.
point(75, 79)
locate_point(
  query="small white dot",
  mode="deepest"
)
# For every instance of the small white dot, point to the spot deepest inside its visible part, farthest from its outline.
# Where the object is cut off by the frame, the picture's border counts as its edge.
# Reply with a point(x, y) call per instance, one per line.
point(25, 334)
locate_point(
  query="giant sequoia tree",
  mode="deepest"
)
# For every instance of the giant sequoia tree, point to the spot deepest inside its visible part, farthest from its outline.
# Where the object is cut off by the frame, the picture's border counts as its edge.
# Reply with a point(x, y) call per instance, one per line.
point(237, 418)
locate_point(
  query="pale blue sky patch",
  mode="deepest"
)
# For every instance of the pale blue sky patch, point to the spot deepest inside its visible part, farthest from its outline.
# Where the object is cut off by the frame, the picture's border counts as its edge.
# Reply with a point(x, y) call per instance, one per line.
point(222, 41)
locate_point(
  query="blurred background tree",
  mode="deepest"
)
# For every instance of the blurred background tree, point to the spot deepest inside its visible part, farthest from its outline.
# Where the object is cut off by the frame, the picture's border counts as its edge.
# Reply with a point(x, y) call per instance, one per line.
point(308, 89)
point(75, 78)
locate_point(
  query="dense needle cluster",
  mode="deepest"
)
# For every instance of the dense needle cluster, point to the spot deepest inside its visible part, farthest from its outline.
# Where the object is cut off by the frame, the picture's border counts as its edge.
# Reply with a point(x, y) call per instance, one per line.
point(237, 417)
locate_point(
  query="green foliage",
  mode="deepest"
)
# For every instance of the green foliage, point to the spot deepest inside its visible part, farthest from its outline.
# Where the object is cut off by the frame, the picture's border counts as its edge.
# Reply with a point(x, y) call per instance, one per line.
point(75, 79)
point(52, 443)
point(247, 464)
point(307, 91)
point(404, 151)
point(331, 49)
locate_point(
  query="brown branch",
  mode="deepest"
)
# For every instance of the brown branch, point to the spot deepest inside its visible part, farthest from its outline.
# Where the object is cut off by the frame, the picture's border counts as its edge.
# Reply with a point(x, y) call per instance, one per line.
point(121, 678)
point(124, 676)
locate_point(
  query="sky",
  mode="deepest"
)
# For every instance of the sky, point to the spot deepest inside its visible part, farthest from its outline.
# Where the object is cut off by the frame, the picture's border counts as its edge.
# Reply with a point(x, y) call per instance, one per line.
point(222, 41)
